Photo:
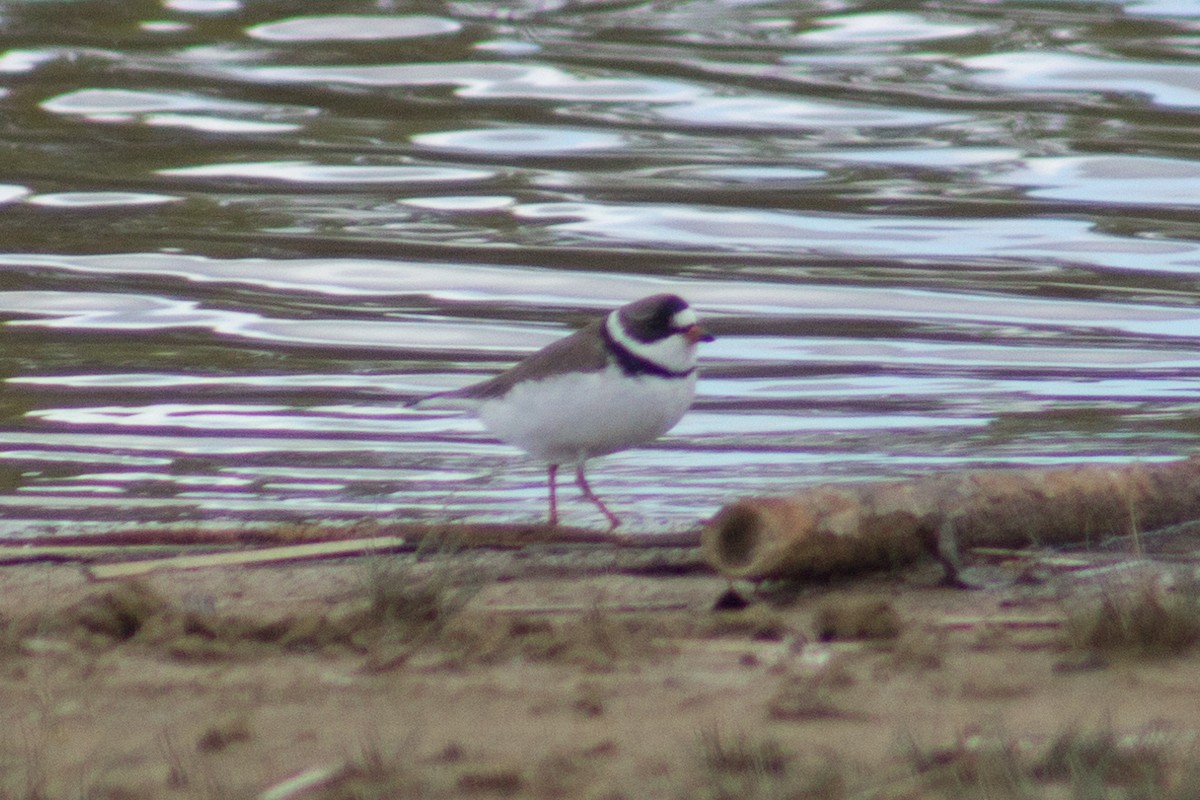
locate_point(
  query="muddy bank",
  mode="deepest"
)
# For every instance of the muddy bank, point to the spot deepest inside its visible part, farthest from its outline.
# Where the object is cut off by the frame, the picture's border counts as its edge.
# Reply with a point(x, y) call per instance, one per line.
point(584, 670)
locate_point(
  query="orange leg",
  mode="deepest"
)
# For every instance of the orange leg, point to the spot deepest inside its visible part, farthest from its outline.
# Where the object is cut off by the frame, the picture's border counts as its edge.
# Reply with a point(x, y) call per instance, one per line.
point(553, 470)
point(581, 481)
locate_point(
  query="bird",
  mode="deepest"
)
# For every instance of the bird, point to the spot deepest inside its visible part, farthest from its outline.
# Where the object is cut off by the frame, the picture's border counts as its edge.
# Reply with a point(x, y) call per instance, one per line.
point(621, 381)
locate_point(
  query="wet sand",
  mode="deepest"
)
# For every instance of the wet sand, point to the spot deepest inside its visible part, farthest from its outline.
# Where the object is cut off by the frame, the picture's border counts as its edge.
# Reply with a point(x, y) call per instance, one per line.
point(573, 671)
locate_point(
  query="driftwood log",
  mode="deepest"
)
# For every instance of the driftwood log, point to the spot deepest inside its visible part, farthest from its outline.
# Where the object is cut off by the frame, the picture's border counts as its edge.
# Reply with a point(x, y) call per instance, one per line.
point(855, 526)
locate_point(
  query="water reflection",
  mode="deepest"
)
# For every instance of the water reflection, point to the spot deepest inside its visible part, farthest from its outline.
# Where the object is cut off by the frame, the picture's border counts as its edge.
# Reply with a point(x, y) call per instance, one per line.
point(1135, 180)
point(336, 27)
point(1169, 85)
point(341, 174)
point(520, 142)
point(175, 110)
point(98, 199)
point(888, 28)
point(239, 236)
point(759, 113)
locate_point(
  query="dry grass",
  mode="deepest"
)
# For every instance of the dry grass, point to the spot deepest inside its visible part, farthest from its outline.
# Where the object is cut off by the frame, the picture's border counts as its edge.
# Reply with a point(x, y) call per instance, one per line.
point(1094, 762)
point(745, 768)
point(973, 766)
point(11, 634)
point(406, 611)
point(417, 614)
point(22, 769)
point(224, 733)
point(742, 754)
point(919, 649)
point(424, 616)
point(595, 641)
point(997, 681)
point(400, 614)
point(31, 770)
point(133, 613)
point(370, 776)
point(805, 697)
point(418, 600)
point(1139, 620)
point(840, 619)
point(1077, 764)
point(758, 622)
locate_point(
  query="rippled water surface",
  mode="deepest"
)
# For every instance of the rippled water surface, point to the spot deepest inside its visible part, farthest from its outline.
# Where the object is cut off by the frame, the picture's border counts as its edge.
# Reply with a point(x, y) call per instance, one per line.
point(238, 235)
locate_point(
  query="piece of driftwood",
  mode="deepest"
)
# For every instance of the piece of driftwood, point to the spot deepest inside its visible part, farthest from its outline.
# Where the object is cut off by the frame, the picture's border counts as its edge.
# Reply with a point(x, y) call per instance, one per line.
point(855, 526)
point(300, 784)
point(264, 555)
point(426, 535)
point(1038, 557)
point(1010, 623)
point(584, 608)
point(23, 554)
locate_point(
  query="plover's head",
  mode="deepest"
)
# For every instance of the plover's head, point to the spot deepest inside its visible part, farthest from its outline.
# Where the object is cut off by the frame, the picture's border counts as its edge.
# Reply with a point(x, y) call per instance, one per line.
point(660, 316)
point(661, 328)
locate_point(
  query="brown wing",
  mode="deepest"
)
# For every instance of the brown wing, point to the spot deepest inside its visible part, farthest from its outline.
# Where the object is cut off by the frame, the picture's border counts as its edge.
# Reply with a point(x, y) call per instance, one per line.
point(582, 351)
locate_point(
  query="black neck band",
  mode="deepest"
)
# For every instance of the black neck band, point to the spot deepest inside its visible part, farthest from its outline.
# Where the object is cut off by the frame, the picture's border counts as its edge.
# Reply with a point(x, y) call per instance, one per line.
point(634, 365)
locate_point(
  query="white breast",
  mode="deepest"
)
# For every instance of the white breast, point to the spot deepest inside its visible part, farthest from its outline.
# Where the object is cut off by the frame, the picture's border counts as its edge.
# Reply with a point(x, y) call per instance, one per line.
point(566, 418)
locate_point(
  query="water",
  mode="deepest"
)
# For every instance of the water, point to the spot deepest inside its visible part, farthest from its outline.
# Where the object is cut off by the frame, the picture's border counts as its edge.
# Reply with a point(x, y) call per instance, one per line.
point(238, 235)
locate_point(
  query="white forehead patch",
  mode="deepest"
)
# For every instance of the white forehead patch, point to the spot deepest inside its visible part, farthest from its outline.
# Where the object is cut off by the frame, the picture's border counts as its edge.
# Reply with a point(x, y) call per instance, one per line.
point(683, 319)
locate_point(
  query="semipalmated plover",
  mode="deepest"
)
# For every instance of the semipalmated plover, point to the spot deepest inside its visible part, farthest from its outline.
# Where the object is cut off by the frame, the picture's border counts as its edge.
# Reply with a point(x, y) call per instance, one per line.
point(619, 382)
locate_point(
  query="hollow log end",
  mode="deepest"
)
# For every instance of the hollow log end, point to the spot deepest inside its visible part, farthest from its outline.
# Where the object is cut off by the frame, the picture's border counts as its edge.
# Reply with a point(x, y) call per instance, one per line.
point(811, 534)
point(731, 540)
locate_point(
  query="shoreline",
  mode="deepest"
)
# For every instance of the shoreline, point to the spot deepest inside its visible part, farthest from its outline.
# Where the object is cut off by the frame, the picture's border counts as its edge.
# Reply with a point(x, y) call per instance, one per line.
point(559, 670)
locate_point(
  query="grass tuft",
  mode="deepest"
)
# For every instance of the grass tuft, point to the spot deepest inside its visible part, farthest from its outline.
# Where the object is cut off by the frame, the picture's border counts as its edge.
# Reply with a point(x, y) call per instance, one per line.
point(118, 614)
point(745, 768)
point(1080, 764)
point(596, 640)
point(974, 766)
point(742, 754)
point(803, 697)
point(370, 776)
point(1143, 620)
point(759, 622)
point(842, 619)
point(223, 734)
point(1098, 760)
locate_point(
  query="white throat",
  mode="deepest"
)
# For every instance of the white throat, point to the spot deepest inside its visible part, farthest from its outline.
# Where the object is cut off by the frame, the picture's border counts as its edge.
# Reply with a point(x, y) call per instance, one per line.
point(674, 353)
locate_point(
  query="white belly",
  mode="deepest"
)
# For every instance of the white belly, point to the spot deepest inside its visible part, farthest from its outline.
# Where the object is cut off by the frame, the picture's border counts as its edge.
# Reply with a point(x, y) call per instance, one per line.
point(569, 418)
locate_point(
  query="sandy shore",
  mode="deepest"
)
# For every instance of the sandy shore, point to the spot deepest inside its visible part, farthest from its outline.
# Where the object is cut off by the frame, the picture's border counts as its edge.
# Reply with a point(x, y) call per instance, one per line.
point(573, 671)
